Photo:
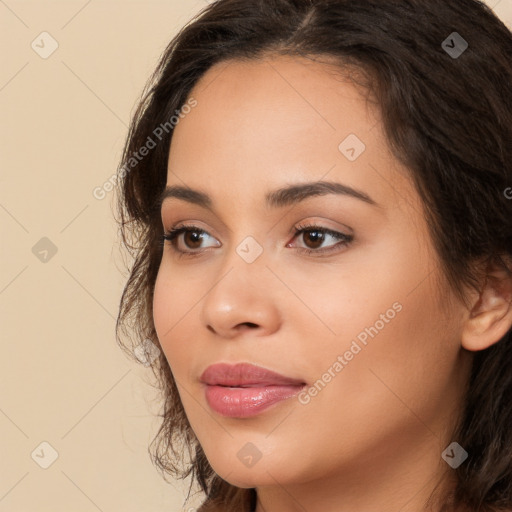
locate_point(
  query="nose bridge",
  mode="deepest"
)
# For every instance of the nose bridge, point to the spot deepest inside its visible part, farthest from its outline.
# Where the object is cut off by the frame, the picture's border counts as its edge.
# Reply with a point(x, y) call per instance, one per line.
point(241, 294)
point(242, 272)
point(247, 250)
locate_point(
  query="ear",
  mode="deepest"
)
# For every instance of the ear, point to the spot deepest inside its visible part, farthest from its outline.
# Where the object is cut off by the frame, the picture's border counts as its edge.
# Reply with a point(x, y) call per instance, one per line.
point(490, 317)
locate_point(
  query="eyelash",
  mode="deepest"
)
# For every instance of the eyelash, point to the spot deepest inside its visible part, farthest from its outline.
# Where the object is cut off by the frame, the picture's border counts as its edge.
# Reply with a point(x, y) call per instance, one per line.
point(344, 239)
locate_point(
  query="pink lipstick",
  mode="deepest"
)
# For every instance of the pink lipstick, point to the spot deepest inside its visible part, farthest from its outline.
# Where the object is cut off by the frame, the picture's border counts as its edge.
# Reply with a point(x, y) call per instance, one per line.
point(243, 390)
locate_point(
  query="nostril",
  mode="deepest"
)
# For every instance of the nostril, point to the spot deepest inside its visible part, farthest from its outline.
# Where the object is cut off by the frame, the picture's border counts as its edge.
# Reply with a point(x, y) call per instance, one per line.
point(249, 324)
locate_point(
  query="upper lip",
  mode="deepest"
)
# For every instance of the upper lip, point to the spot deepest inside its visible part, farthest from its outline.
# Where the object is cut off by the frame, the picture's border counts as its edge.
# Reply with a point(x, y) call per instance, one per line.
point(244, 375)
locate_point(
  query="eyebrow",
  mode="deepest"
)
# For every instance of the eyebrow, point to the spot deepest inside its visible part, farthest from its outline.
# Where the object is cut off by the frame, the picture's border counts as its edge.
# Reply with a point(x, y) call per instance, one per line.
point(279, 198)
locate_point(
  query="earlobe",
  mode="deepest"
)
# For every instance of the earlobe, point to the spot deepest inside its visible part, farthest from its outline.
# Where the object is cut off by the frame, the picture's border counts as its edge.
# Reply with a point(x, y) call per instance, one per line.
point(491, 315)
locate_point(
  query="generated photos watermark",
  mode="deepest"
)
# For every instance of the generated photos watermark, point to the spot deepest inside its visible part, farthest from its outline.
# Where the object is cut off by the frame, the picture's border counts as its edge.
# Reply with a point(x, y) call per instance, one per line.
point(152, 141)
point(305, 396)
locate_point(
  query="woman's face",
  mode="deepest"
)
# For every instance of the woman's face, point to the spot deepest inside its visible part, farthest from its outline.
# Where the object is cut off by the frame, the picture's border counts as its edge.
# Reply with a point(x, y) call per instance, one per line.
point(365, 322)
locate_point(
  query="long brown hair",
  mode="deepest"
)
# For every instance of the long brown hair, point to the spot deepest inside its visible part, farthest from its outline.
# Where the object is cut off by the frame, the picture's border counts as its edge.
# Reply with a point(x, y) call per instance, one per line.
point(447, 117)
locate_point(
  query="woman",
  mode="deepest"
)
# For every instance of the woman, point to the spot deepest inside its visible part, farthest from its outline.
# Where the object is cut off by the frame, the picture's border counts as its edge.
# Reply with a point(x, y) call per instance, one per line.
point(317, 197)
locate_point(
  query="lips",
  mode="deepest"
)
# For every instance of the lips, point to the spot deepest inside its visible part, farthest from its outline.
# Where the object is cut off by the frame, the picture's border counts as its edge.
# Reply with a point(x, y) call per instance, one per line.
point(245, 390)
point(245, 375)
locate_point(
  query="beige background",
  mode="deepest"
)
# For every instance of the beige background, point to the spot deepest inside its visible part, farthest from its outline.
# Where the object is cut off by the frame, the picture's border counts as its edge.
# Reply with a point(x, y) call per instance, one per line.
point(64, 381)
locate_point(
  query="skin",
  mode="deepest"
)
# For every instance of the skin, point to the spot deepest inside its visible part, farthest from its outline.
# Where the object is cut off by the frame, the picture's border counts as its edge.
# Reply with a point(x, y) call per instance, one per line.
point(372, 438)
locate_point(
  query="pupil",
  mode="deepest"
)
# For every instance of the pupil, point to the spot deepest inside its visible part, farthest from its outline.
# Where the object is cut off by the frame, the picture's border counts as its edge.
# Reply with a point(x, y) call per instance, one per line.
point(194, 237)
point(316, 236)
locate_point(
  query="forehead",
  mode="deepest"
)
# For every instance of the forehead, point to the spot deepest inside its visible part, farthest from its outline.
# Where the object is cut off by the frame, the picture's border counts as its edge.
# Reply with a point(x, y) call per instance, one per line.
point(260, 123)
point(277, 96)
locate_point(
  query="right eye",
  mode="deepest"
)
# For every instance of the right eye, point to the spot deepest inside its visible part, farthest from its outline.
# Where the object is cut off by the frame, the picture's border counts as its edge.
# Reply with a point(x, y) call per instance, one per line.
point(192, 238)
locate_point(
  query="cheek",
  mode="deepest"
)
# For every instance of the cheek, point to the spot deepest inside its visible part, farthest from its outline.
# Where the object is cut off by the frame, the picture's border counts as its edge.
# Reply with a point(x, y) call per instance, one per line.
point(383, 314)
point(171, 304)
point(400, 365)
point(340, 303)
point(392, 387)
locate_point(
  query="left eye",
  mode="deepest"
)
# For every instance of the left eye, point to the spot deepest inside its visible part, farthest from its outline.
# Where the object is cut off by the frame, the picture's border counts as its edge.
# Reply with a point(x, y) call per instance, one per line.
point(315, 236)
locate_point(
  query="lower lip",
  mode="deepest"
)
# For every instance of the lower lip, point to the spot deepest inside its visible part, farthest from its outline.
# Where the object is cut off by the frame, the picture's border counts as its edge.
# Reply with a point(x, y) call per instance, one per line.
point(245, 402)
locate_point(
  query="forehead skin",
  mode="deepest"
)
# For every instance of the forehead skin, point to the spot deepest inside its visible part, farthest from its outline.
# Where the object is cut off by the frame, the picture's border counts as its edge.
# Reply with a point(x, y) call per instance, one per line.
point(281, 117)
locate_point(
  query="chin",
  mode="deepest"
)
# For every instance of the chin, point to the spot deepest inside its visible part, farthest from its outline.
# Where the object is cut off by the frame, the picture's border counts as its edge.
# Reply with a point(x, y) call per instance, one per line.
point(260, 475)
point(247, 480)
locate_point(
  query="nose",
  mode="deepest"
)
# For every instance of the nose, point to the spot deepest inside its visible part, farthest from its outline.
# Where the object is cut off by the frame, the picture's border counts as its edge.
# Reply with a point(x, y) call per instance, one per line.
point(243, 299)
